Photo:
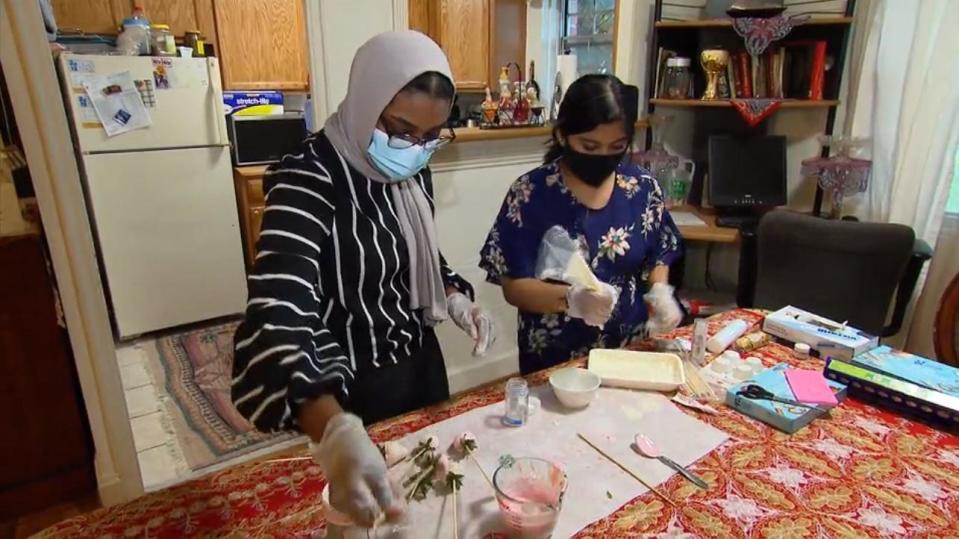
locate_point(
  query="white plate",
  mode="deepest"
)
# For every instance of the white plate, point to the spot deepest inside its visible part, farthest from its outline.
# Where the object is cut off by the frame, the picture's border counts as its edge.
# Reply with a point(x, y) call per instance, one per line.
point(638, 370)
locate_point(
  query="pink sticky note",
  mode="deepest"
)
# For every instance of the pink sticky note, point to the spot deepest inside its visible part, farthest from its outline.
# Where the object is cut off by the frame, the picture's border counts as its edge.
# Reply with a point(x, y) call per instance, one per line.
point(810, 387)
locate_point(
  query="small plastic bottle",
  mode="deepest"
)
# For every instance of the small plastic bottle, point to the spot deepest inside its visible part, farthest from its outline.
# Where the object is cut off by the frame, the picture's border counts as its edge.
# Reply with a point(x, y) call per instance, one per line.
point(517, 402)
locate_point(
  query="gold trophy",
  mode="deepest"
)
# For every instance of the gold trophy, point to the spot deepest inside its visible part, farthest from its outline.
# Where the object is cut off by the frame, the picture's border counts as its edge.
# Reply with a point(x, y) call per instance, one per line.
point(714, 62)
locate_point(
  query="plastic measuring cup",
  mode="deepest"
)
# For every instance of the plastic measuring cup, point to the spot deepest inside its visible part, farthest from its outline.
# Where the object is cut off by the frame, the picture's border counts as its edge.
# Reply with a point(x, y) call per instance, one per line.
point(530, 492)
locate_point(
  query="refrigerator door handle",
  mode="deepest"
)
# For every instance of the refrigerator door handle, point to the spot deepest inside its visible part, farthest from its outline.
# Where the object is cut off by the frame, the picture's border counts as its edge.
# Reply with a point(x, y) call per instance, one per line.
point(216, 96)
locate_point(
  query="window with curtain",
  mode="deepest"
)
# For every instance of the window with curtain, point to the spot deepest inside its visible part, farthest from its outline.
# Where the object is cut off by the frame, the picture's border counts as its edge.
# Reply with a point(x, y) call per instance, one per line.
point(588, 33)
point(952, 204)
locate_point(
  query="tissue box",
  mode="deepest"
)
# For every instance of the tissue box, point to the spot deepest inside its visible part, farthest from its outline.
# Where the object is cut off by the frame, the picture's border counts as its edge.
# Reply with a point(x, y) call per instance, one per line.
point(784, 417)
point(905, 383)
point(253, 103)
point(826, 336)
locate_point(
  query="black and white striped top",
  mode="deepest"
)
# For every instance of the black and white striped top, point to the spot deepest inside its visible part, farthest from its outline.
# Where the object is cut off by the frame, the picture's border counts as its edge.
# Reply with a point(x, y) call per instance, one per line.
point(329, 291)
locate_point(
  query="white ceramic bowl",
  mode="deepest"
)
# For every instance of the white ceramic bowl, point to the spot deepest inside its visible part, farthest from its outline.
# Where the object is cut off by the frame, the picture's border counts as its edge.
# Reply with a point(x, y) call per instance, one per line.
point(574, 387)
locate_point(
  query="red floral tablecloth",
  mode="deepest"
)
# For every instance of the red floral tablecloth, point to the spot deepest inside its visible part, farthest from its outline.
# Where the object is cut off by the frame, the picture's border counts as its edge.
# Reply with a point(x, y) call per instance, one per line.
point(860, 472)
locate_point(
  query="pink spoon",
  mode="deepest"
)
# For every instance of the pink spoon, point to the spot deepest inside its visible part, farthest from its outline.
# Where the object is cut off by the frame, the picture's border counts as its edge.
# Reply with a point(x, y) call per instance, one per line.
point(645, 447)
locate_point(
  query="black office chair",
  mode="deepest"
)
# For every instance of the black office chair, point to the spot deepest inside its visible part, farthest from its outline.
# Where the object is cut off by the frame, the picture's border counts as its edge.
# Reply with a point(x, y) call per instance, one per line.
point(843, 270)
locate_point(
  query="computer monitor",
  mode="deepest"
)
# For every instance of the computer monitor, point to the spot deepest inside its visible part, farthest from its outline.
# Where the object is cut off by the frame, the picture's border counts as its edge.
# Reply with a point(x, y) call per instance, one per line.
point(747, 171)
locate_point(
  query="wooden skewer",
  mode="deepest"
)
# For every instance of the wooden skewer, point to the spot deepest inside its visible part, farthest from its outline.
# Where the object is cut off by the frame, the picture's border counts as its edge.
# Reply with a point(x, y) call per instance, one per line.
point(488, 480)
point(456, 527)
point(291, 459)
point(627, 470)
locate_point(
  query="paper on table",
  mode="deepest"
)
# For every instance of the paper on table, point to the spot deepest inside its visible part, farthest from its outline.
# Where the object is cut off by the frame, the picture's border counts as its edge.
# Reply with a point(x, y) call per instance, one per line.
point(810, 387)
point(685, 218)
point(117, 102)
point(611, 420)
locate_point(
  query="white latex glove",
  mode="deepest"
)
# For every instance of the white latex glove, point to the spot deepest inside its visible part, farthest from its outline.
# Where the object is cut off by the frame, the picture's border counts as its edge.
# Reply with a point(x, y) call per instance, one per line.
point(474, 320)
point(594, 308)
point(666, 313)
point(356, 471)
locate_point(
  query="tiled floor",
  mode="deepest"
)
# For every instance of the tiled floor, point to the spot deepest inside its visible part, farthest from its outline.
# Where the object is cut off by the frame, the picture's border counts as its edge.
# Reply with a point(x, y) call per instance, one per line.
point(158, 450)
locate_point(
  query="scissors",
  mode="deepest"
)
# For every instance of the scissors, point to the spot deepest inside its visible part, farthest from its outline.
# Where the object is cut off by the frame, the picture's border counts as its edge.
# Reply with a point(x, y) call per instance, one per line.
point(754, 391)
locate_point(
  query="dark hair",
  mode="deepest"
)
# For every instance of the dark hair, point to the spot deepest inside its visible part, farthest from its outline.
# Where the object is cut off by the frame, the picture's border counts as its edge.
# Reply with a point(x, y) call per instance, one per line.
point(433, 84)
point(590, 101)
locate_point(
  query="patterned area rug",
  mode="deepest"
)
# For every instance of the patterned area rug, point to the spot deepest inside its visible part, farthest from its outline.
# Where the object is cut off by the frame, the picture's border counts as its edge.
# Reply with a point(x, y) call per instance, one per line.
point(192, 372)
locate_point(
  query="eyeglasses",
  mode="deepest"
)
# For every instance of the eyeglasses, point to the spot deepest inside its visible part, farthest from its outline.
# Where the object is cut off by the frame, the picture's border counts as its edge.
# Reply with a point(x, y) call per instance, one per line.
point(402, 141)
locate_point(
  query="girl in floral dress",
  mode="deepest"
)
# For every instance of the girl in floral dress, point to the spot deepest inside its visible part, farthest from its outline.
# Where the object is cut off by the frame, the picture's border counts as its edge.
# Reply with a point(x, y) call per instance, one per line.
point(614, 209)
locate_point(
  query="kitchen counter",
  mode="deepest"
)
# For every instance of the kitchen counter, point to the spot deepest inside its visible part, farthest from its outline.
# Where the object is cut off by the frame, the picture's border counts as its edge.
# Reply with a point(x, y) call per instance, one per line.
point(475, 134)
point(250, 171)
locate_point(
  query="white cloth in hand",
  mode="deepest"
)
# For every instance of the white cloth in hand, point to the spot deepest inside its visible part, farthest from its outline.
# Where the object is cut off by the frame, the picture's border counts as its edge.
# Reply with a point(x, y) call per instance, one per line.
point(356, 471)
point(474, 320)
point(593, 307)
point(666, 313)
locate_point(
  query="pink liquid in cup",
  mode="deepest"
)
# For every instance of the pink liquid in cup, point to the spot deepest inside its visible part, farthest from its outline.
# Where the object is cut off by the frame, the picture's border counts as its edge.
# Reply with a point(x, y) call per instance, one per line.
point(530, 494)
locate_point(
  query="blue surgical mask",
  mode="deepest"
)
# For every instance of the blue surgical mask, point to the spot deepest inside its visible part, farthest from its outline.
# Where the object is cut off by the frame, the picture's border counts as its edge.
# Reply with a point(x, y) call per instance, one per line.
point(397, 163)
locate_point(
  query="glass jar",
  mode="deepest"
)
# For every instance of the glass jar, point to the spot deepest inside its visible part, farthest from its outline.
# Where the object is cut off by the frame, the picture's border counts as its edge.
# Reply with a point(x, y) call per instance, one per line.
point(192, 39)
point(162, 40)
point(677, 78)
point(517, 402)
point(138, 27)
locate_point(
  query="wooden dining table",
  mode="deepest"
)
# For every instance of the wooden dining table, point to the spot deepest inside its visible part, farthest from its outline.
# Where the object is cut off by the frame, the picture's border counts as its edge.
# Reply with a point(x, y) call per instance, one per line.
point(857, 472)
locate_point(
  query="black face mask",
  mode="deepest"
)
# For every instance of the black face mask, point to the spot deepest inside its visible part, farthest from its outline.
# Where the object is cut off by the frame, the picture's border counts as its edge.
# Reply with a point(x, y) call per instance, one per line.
point(593, 169)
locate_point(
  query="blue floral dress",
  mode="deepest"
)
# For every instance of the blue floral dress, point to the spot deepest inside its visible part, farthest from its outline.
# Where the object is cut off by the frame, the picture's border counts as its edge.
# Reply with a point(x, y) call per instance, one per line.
point(625, 240)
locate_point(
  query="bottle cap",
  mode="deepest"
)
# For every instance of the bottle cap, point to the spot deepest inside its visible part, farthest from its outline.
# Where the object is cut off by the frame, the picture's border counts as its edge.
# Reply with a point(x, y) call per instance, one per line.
point(721, 364)
point(742, 371)
point(732, 355)
point(801, 348)
point(677, 61)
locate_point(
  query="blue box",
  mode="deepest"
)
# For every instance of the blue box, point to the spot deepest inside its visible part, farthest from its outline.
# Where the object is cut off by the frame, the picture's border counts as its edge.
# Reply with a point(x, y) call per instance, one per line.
point(904, 383)
point(265, 103)
point(784, 417)
point(911, 368)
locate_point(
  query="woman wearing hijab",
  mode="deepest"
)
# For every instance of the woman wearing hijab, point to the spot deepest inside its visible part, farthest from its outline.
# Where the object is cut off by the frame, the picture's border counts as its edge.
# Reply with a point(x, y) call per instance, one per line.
point(614, 213)
point(348, 281)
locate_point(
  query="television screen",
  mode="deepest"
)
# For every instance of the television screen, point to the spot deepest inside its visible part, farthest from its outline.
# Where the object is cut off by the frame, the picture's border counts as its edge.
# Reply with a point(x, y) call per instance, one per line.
point(747, 171)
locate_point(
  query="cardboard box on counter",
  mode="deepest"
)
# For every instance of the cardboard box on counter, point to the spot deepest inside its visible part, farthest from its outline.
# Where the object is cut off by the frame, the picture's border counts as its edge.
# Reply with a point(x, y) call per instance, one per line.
point(905, 383)
point(785, 417)
point(828, 337)
point(266, 103)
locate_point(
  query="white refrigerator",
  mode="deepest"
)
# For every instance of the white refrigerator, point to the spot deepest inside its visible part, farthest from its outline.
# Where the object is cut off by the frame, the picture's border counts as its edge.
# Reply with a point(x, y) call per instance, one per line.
point(161, 198)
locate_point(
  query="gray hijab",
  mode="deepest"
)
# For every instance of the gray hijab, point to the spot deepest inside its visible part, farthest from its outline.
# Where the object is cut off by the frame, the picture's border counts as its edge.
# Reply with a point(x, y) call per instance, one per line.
point(381, 68)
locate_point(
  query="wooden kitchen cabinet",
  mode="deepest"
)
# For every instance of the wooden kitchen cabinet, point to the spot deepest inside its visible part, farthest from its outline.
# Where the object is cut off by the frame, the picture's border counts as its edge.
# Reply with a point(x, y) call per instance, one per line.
point(262, 44)
point(91, 16)
point(183, 16)
point(478, 36)
point(248, 182)
point(462, 29)
point(106, 16)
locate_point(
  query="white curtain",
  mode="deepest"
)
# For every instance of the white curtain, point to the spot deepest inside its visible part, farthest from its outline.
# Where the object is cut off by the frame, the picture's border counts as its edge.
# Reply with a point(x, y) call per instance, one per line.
point(904, 97)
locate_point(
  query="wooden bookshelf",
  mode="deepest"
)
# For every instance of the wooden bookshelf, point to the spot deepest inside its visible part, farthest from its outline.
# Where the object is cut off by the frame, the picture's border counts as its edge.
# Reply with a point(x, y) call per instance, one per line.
point(786, 103)
point(728, 23)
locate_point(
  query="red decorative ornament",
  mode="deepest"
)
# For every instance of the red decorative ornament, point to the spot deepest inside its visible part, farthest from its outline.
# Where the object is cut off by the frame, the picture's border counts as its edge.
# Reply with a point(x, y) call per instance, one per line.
point(758, 33)
point(755, 110)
